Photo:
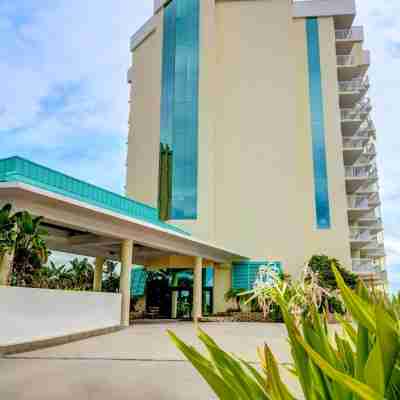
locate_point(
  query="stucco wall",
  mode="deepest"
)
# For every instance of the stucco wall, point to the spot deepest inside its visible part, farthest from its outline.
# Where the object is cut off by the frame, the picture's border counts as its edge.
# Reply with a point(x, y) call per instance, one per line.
point(144, 118)
point(34, 314)
point(264, 176)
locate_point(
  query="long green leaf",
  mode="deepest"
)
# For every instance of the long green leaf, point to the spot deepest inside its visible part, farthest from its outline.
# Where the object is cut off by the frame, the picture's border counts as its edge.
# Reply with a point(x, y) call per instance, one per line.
point(359, 388)
point(231, 370)
point(359, 308)
point(205, 368)
point(388, 340)
point(300, 357)
point(348, 328)
point(373, 372)
point(363, 350)
point(279, 390)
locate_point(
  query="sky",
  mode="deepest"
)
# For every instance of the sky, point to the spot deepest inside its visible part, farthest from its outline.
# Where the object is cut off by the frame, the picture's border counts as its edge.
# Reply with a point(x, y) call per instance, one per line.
point(64, 94)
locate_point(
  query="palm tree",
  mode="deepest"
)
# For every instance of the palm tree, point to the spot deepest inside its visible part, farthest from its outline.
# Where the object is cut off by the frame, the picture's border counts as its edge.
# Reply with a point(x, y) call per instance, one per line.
point(8, 236)
point(30, 250)
point(82, 274)
point(111, 278)
point(235, 294)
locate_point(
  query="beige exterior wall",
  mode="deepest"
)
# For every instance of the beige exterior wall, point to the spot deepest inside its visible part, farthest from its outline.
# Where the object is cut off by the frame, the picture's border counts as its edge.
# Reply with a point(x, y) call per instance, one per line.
point(264, 171)
point(144, 119)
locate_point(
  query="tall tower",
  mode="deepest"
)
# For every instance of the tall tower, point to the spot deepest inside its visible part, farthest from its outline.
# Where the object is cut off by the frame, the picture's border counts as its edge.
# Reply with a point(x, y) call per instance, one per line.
point(250, 128)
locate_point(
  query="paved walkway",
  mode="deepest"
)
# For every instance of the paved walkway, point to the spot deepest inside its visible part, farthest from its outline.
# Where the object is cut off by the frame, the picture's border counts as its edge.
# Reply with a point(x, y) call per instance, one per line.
point(136, 363)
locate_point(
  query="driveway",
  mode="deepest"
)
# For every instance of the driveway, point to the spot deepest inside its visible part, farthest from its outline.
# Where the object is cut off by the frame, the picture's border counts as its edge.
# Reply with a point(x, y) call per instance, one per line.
point(137, 363)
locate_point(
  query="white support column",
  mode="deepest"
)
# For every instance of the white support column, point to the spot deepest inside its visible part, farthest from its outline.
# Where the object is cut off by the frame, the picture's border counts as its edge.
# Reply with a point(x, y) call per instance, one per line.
point(98, 274)
point(197, 289)
point(5, 267)
point(222, 283)
point(124, 283)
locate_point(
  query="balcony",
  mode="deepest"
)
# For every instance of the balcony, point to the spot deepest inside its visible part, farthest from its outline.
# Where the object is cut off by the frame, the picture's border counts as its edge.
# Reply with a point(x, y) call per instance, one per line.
point(375, 249)
point(364, 265)
point(369, 151)
point(374, 223)
point(350, 114)
point(352, 149)
point(351, 119)
point(369, 272)
point(365, 106)
point(366, 129)
point(360, 237)
point(345, 38)
point(351, 91)
point(352, 65)
point(358, 176)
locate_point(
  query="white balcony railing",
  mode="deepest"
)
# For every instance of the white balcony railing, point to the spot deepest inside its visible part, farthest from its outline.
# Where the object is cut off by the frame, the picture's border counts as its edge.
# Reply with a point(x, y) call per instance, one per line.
point(351, 144)
point(358, 202)
point(365, 171)
point(365, 106)
point(370, 149)
point(354, 85)
point(363, 235)
point(366, 127)
point(375, 199)
point(345, 60)
point(356, 33)
point(364, 265)
point(350, 114)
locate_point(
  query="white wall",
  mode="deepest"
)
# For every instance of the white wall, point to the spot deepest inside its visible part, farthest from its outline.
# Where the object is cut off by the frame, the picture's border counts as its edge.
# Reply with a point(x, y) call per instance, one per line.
point(33, 314)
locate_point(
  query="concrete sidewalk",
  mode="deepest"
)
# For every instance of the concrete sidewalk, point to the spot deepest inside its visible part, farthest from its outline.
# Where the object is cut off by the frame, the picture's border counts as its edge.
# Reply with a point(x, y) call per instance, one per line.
point(137, 363)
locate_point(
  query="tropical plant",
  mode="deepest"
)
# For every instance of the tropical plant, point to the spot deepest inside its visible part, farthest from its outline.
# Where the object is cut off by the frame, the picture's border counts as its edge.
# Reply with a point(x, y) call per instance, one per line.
point(361, 362)
point(22, 241)
point(111, 278)
point(82, 273)
point(8, 236)
point(236, 296)
point(322, 265)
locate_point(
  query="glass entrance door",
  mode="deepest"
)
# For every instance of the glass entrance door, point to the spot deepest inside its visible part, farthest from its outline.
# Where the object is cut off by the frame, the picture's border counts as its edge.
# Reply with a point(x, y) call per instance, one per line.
point(184, 303)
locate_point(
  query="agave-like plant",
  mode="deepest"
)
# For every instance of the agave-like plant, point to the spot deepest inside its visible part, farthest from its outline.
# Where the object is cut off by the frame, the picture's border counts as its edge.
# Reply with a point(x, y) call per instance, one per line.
point(361, 362)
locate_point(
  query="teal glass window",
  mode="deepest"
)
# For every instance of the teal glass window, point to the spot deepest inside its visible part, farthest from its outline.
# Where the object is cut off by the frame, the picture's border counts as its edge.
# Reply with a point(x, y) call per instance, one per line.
point(321, 192)
point(245, 273)
point(179, 103)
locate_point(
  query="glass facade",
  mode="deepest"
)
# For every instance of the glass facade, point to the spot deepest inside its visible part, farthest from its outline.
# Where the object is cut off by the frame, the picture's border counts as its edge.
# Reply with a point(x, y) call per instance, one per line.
point(179, 103)
point(317, 126)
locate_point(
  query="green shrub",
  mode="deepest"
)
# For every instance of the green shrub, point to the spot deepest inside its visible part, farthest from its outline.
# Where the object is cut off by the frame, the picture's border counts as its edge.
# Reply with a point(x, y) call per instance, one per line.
point(322, 265)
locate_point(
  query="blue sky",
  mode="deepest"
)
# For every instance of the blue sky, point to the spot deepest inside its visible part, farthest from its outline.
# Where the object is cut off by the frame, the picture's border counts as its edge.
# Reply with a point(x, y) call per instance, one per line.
point(64, 96)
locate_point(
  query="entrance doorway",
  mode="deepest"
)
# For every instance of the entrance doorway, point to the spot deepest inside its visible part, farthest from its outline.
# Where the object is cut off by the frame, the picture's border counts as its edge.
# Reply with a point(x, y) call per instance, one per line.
point(170, 292)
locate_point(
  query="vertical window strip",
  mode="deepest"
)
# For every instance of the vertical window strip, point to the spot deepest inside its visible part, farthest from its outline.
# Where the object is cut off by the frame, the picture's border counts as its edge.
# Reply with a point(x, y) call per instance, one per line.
point(317, 126)
point(179, 104)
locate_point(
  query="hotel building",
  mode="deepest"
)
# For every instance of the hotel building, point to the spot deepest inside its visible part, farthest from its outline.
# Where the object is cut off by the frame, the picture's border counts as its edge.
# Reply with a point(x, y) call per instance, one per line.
point(250, 144)
point(250, 128)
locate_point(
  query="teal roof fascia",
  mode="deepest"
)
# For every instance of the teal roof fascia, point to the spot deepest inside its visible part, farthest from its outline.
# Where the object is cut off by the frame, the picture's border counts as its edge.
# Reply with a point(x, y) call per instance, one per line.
point(18, 169)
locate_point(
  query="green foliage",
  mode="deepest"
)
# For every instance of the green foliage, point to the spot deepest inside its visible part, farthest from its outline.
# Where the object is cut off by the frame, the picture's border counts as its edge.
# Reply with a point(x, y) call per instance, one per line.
point(235, 295)
point(8, 230)
point(360, 363)
point(111, 278)
point(322, 265)
point(77, 275)
point(22, 236)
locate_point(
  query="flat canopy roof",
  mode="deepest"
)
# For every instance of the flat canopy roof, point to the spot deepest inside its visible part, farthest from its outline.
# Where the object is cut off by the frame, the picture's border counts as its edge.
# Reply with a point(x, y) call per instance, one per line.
point(84, 219)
